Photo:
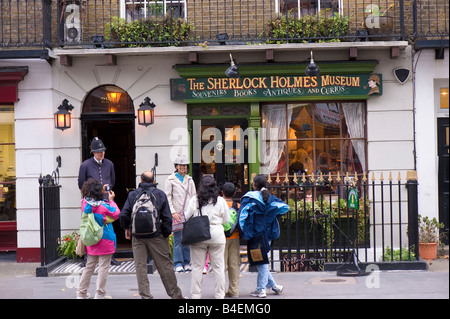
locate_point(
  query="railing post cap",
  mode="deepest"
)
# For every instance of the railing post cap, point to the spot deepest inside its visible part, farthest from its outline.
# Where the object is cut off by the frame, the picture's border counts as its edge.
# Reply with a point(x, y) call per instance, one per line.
point(411, 175)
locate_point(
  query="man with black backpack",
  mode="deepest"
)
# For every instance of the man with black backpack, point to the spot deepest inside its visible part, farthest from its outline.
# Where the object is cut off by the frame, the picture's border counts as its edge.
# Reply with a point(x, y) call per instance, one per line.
point(146, 217)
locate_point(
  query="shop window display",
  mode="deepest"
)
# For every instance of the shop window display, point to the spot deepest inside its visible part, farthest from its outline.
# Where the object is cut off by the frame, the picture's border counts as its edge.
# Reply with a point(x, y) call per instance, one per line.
point(7, 164)
point(313, 138)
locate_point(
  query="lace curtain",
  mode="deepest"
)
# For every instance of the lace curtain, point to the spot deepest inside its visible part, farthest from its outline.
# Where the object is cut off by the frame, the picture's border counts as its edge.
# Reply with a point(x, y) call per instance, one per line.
point(355, 119)
point(274, 130)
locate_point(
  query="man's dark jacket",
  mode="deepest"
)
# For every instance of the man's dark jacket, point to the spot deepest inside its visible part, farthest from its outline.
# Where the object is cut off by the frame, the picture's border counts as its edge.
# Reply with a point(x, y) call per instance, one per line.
point(162, 205)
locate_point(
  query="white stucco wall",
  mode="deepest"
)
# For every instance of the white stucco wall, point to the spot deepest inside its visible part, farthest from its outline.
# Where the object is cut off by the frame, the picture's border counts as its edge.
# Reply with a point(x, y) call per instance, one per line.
point(431, 74)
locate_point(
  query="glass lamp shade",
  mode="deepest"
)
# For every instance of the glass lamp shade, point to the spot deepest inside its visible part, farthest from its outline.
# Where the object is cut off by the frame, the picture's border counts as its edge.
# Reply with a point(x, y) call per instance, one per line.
point(62, 119)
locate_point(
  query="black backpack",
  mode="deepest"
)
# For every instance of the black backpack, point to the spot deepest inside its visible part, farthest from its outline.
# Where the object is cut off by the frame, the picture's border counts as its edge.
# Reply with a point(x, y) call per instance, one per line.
point(145, 219)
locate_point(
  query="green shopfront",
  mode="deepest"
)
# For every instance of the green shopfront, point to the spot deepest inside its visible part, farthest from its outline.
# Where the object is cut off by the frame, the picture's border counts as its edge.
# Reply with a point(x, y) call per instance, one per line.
point(275, 120)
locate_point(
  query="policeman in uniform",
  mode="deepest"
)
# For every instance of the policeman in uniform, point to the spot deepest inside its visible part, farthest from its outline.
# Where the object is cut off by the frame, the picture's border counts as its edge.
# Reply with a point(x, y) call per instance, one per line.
point(100, 168)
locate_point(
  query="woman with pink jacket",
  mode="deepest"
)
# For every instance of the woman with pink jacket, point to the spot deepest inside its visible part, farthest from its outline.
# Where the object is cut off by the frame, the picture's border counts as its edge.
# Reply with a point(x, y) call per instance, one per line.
point(105, 212)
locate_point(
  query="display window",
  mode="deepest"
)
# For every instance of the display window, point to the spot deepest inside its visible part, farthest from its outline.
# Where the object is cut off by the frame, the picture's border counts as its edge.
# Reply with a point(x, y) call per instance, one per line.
point(7, 164)
point(313, 138)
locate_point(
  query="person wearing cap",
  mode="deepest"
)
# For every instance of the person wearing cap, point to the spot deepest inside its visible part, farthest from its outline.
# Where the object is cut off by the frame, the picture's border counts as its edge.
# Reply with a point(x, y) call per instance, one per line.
point(180, 188)
point(99, 168)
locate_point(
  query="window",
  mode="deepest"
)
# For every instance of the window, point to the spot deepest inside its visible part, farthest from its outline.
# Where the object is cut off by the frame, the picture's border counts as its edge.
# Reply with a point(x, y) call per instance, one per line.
point(142, 9)
point(299, 8)
point(313, 137)
point(7, 164)
point(108, 99)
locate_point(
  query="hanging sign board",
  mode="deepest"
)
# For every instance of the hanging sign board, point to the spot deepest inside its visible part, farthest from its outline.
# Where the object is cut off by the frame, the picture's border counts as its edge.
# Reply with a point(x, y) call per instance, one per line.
point(353, 199)
point(272, 87)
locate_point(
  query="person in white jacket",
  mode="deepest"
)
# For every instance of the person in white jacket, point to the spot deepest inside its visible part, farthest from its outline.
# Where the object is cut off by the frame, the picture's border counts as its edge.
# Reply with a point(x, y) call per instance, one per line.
point(180, 188)
point(217, 210)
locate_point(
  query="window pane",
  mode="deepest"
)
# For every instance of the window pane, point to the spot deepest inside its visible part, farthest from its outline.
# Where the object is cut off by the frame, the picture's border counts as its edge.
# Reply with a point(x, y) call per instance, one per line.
point(321, 138)
point(108, 99)
point(7, 164)
point(273, 138)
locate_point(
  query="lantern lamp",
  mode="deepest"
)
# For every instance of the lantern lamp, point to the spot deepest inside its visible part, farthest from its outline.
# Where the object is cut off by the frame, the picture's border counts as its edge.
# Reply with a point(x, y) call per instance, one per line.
point(146, 112)
point(312, 69)
point(63, 117)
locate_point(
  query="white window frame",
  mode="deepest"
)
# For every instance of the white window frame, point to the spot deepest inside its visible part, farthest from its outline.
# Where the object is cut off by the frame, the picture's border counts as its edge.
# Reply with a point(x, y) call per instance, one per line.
point(145, 2)
point(299, 14)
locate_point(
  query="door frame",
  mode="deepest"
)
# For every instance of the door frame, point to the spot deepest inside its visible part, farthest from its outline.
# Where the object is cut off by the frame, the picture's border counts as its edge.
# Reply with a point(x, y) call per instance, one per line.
point(253, 122)
point(443, 173)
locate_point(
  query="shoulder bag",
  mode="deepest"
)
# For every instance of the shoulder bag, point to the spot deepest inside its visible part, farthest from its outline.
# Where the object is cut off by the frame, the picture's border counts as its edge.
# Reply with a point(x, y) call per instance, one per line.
point(177, 225)
point(196, 229)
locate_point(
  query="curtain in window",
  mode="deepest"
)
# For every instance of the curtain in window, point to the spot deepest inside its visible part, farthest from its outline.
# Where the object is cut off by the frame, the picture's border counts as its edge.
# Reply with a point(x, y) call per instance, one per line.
point(273, 136)
point(355, 119)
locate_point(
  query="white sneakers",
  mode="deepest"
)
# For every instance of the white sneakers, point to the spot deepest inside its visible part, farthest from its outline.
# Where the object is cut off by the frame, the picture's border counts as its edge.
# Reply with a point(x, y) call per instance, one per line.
point(277, 289)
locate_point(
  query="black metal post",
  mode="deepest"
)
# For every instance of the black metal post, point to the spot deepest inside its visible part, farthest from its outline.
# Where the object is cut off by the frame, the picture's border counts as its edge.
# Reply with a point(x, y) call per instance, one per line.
point(41, 220)
point(413, 215)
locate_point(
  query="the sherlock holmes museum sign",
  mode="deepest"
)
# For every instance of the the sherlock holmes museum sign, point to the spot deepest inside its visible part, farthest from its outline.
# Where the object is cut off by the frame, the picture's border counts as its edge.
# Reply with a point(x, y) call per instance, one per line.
point(275, 87)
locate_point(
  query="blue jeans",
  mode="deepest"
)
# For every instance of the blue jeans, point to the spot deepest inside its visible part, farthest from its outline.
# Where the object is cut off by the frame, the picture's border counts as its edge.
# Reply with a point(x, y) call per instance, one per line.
point(181, 253)
point(264, 279)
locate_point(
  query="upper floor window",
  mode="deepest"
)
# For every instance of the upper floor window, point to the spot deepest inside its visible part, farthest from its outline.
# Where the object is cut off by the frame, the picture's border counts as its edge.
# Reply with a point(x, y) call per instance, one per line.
point(301, 8)
point(142, 9)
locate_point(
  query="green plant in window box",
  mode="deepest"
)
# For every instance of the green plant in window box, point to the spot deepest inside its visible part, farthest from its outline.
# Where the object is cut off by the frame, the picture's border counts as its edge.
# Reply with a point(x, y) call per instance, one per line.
point(153, 31)
point(318, 28)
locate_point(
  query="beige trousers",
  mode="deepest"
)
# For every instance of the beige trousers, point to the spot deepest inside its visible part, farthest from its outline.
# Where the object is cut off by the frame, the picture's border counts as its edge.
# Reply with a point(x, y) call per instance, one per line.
point(232, 263)
point(104, 262)
point(198, 259)
point(159, 249)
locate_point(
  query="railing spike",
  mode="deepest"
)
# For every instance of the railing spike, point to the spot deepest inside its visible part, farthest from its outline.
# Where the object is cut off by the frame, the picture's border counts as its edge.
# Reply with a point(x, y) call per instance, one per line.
point(390, 176)
point(399, 178)
point(338, 178)
point(364, 177)
point(295, 178)
point(278, 178)
point(381, 176)
point(303, 177)
point(373, 176)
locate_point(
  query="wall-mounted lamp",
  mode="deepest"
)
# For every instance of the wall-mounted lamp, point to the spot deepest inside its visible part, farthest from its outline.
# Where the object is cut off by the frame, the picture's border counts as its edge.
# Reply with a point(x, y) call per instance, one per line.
point(63, 117)
point(232, 71)
point(312, 69)
point(146, 112)
point(114, 98)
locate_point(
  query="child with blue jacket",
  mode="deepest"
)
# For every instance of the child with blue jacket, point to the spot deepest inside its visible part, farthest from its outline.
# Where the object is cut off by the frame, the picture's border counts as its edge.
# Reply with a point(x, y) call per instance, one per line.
point(258, 219)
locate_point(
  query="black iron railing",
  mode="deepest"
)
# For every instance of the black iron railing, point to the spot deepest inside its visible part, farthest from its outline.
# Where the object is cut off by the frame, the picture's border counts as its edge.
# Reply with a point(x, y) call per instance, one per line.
point(25, 23)
point(330, 218)
point(131, 23)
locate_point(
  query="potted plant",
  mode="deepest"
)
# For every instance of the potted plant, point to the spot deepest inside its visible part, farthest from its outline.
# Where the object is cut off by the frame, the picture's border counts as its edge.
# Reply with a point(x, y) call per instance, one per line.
point(67, 245)
point(428, 237)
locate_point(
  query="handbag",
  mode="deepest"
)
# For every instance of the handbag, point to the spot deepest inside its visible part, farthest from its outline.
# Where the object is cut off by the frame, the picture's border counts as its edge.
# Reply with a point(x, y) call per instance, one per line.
point(177, 225)
point(90, 231)
point(196, 229)
point(80, 248)
point(257, 249)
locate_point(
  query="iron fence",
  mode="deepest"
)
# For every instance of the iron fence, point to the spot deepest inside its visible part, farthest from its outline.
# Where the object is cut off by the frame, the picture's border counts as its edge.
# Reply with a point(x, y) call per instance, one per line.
point(131, 23)
point(25, 23)
point(49, 215)
point(331, 217)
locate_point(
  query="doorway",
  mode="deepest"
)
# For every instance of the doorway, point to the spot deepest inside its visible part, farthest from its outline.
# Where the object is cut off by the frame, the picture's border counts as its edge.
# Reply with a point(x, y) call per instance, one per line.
point(223, 153)
point(108, 114)
point(443, 174)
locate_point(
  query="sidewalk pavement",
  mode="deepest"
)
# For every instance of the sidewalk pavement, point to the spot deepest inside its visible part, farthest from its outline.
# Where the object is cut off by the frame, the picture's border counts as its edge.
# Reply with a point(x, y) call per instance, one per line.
point(18, 281)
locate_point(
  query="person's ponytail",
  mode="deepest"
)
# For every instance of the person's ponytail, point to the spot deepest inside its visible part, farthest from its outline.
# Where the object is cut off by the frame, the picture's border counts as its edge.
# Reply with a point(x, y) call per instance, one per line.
point(260, 183)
